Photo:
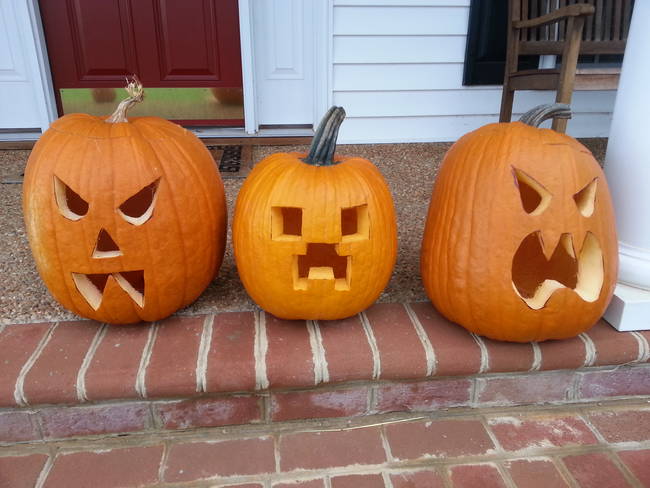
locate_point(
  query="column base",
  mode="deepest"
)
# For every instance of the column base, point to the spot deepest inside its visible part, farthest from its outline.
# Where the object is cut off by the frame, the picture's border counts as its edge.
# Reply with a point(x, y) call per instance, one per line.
point(629, 309)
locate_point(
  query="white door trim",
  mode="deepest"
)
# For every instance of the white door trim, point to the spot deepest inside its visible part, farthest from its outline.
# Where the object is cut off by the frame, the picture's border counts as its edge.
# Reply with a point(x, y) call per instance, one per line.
point(40, 66)
point(247, 66)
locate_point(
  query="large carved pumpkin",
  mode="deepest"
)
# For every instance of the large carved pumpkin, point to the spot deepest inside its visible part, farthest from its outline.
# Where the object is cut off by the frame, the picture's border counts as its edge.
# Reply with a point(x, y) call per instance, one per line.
point(315, 234)
point(520, 243)
point(126, 219)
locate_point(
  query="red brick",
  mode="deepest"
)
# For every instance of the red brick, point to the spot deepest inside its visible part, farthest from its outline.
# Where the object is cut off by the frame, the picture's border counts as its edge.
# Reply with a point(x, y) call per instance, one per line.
point(612, 346)
point(17, 427)
point(53, 377)
point(133, 467)
point(246, 485)
point(476, 476)
point(347, 350)
point(79, 421)
point(203, 460)
point(517, 432)
point(639, 463)
point(289, 360)
point(417, 479)
point(114, 366)
point(231, 359)
point(319, 404)
point(595, 470)
point(438, 438)
point(401, 351)
point(172, 367)
point(301, 484)
point(357, 481)
point(21, 471)
point(506, 357)
point(623, 425)
point(317, 450)
point(525, 389)
point(535, 473)
point(457, 353)
point(17, 343)
point(620, 382)
point(646, 336)
point(423, 395)
point(563, 354)
point(209, 412)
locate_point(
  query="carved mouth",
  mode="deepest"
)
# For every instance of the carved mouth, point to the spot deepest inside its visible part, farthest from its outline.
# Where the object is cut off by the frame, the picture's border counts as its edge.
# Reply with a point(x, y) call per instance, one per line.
point(92, 286)
point(321, 262)
point(535, 278)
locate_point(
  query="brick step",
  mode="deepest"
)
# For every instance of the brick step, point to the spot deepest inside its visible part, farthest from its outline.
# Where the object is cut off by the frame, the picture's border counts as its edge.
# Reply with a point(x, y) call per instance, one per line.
point(72, 379)
point(586, 446)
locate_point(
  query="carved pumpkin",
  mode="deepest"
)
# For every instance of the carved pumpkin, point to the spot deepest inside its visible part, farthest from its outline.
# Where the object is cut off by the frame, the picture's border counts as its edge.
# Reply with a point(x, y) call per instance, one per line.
point(126, 219)
point(315, 234)
point(520, 243)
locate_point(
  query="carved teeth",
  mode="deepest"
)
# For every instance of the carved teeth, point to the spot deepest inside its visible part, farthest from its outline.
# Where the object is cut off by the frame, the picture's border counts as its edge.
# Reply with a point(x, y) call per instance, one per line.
point(92, 286)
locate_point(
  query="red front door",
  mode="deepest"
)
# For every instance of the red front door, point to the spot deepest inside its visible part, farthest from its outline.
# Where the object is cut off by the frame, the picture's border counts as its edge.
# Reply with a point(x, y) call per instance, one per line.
point(186, 51)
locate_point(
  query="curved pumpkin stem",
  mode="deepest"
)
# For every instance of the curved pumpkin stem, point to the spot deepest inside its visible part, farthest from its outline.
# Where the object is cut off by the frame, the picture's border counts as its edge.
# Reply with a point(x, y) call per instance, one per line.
point(136, 93)
point(323, 145)
point(534, 117)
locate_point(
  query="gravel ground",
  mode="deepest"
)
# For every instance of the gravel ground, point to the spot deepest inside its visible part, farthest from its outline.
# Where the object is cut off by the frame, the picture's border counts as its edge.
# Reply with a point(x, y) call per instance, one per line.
point(409, 169)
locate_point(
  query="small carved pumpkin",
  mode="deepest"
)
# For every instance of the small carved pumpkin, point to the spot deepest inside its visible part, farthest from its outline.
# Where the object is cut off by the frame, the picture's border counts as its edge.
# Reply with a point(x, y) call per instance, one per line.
point(520, 242)
point(315, 234)
point(126, 219)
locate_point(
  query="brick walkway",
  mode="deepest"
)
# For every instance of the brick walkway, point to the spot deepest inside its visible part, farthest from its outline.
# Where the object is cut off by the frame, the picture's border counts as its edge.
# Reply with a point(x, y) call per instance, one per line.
point(604, 445)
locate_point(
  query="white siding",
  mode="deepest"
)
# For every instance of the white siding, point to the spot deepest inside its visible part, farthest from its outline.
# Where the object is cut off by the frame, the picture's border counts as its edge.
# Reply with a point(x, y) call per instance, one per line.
point(398, 68)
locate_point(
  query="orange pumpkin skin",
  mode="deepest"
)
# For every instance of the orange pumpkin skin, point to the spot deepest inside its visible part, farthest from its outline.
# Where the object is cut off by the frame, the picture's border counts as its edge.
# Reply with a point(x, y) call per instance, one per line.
point(179, 248)
point(471, 256)
point(266, 259)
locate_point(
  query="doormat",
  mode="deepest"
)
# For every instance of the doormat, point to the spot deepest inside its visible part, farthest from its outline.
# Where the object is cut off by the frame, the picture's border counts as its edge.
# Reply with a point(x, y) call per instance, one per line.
point(233, 161)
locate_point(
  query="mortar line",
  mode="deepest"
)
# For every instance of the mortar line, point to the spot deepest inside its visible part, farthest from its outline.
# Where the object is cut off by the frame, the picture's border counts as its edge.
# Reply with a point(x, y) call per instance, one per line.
point(485, 357)
point(429, 351)
point(644, 347)
point(204, 352)
point(563, 470)
point(260, 351)
point(162, 468)
point(537, 357)
point(85, 365)
point(388, 483)
point(325, 370)
point(374, 348)
point(19, 389)
point(315, 352)
point(47, 467)
point(590, 350)
point(140, 380)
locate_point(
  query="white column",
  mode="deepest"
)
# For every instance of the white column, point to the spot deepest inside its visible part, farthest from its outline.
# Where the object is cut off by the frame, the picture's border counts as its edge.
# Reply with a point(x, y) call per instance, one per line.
point(627, 168)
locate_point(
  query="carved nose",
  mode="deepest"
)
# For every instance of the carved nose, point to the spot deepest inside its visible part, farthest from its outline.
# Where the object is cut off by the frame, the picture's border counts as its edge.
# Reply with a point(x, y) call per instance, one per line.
point(105, 247)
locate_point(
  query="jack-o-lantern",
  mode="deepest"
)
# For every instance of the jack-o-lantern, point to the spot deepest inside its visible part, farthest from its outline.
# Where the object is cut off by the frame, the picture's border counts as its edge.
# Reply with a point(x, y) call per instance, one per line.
point(520, 242)
point(315, 234)
point(126, 219)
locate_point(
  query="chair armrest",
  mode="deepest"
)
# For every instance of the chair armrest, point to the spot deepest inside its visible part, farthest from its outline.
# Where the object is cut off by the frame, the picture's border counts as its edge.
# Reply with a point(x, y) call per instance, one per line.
point(574, 10)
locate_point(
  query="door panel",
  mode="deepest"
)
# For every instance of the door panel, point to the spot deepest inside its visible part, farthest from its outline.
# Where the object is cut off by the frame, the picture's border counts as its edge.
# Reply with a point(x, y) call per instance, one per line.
point(167, 43)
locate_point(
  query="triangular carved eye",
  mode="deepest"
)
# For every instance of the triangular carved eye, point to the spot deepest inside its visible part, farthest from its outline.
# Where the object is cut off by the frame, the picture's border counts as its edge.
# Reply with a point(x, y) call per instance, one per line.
point(138, 209)
point(586, 198)
point(70, 204)
point(534, 197)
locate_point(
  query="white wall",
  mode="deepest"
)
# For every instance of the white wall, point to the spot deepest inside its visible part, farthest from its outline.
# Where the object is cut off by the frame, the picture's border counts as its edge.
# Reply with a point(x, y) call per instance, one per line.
point(398, 68)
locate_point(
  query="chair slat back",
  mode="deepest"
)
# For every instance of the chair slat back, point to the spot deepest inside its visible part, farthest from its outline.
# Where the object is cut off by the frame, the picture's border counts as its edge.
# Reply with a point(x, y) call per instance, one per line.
point(605, 32)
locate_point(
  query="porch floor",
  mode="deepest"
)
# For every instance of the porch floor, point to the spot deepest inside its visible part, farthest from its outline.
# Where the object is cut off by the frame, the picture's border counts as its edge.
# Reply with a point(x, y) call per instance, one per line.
point(409, 169)
point(604, 445)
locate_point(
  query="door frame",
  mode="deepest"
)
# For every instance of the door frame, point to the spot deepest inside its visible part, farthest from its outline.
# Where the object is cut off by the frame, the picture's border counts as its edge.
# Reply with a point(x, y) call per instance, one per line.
point(323, 47)
point(322, 55)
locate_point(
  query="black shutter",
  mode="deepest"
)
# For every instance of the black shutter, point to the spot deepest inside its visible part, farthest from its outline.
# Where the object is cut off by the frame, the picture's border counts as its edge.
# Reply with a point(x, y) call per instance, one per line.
point(485, 55)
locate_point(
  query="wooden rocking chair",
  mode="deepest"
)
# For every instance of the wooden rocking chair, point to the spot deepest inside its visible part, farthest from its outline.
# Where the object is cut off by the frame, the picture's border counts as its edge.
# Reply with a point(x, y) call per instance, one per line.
point(535, 27)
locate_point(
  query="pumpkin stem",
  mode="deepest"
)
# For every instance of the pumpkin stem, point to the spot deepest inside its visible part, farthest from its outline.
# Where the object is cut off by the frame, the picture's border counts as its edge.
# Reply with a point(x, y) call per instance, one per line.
point(539, 114)
point(323, 145)
point(136, 93)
